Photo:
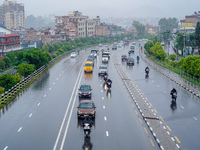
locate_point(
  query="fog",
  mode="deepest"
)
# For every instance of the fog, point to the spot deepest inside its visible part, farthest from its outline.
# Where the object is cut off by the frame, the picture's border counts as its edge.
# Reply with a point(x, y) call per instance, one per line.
point(112, 8)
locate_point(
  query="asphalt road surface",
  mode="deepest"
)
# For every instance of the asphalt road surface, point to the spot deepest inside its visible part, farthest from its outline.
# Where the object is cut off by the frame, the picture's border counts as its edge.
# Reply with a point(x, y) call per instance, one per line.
point(45, 116)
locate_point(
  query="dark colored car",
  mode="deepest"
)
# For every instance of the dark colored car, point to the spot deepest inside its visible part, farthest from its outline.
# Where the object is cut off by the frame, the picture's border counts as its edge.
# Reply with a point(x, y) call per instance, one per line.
point(94, 52)
point(86, 107)
point(85, 91)
point(130, 61)
point(114, 47)
point(124, 57)
point(91, 56)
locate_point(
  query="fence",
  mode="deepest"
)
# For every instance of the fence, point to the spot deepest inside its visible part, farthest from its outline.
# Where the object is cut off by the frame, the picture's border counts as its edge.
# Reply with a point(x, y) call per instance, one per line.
point(180, 77)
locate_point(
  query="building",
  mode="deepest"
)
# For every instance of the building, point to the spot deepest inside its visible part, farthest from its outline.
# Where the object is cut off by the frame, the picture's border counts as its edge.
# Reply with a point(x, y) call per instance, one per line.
point(90, 27)
point(12, 14)
point(151, 29)
point(32, 35)
point(102, 30)
point(4, 30)
point(20, 31)
point(9, 43)
point(191, 21)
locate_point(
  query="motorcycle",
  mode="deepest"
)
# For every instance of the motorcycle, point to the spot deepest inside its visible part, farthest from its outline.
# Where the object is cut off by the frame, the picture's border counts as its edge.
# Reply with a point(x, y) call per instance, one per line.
point(137, 60)
point(86, 129)
point(105, 78)
point(108, 85)
point(147, 72)
point(174, 96)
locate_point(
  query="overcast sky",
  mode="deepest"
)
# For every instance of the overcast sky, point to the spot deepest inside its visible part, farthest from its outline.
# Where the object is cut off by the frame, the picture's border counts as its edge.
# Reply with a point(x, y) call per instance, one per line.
point(109, 8)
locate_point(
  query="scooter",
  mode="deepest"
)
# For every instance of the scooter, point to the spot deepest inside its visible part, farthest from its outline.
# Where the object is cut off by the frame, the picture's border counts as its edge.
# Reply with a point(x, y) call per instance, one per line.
point(174, 96)
point(108, 85)
point(105, 78)
point(147, 72)
point(86, 129)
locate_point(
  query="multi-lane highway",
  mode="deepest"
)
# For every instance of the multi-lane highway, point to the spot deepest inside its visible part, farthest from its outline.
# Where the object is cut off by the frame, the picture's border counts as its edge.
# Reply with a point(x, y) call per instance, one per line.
point(45, 115)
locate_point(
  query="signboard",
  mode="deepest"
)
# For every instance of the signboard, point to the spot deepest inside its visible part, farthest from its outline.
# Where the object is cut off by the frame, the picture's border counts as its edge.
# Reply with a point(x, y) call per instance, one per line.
point(186, 24)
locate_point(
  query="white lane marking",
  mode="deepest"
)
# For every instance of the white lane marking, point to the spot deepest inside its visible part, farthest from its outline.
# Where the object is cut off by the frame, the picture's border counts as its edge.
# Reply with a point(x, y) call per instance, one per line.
point(105, 118)
point(102, 97)
point(100, 80)
point(107, 134)
point(101, 85)
point(62, 71)
point(49, 88)
point(172, 139)
point(158, 86)
point(19, 129)
point(104, 107)
point(54, 83)
point(195, 118)
point(5, 148)
point(164, 127)
point(38, 104)
point(57, 79)
point(177, 145)
point(152, 81)
point(66, 112)
point(30, 115)
point(101, 90)
point(60, 74)
point(182, 107)
point(164, 91)
point(45, 95)
point(66, 129)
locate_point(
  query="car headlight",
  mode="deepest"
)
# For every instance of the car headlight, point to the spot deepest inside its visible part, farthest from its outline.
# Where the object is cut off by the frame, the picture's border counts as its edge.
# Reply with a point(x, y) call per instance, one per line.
point(79, 112)
point(89, 92)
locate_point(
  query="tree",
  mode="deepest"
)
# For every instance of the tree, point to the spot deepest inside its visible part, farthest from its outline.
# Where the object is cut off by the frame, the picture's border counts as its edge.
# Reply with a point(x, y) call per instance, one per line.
point(7, 61)
point(2, 64)
point(1, 90)
point(172, 57)
point(26, 69)
point(197, 32)
point(158, 51)
point(148, 46)
point(17, 77)
point(139, 27)
point(7, 81)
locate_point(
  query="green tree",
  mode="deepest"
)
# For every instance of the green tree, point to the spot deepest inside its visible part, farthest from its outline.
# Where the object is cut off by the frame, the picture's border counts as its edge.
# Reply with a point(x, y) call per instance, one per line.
point(7, 81)
point(139, 27)
point(172, 57)
point(1, 90)
point(2, 64)
point(26, 69)
point(158, 51)
point(17, 77)
point(148, 46)
point(7, 61)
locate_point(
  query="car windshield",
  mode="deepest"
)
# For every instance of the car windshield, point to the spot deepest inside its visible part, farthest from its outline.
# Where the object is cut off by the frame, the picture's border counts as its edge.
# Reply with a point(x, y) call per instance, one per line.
point(94, 52)
point(85, 87)
point(73, 53)
point(130, 59)
point(105, 56)
point(88, 64)
point(89, 59)
point(86, 105)
point(124, 56)
point(102, 67)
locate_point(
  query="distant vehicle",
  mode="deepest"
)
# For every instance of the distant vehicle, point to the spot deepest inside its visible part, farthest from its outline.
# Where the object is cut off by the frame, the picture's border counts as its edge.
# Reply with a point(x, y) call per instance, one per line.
point(139, 40)
point(124, 57)
point(106, 53)
point(85, 91)
point(91, 56)
point(100, 45)
point(106, 46)
point(73, 54)
point(114, 47)
point(132, 49)
point(162, 43)
point(130, 61)
point(133, 43)
point(119, 45)
point(86, 107)
point(94, 52)
point(105, 59)
point(115, 43)
point(126, 42)
point(88, 67)
point(103, 69)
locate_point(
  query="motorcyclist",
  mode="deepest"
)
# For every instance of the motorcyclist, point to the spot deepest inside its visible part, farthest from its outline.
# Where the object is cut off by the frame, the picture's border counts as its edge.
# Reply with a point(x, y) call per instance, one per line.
point(138, 58)
point(129, 53)
point(87, 120)
point(109, 81)
point(147, 69)
point(173, 91)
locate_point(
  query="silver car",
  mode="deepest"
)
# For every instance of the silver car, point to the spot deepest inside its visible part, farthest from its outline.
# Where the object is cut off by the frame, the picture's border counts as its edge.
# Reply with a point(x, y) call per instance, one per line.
point(103, 69)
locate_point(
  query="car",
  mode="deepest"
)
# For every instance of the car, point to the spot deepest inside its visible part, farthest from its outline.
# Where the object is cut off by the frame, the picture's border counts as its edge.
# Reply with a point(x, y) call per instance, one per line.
point(73, 54)
point(86, 107)
point(130, 61)
point(133, 43)
point(91, 56)
point(105, 59)
point(106, 46)
point(88, 67)
point(124, 57)
point(94, 53)
point(106, 53)
point(100, 45)
point(102, 69)
point(91, 60)
point(114, 47)
point(132, 49)
point(85, 91)
point(119, 45)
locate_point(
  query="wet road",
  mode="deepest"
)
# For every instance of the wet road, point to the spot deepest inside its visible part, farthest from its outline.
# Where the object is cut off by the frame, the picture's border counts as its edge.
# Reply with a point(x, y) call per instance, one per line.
point(45, 115)
point(182, 119)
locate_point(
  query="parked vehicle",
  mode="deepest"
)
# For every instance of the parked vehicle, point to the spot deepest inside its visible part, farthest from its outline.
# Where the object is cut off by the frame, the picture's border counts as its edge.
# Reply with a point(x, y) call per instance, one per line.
point(85, 91)
point(130, 61)
point(86, 107)
point(88, 67)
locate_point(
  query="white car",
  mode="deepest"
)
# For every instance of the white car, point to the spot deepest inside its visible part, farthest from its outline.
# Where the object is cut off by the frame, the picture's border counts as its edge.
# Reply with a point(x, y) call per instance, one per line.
point(73, 54)
point(103, 69)
point(105, 59)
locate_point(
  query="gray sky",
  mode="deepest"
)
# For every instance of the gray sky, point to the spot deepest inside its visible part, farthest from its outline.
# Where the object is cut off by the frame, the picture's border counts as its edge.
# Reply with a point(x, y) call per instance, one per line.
point(117, 8)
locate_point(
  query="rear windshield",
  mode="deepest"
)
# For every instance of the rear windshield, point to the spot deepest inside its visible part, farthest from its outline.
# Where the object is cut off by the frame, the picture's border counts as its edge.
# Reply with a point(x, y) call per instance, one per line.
point(85, 87)
point(105, 56)
point(86, 105)
point(131, 59)
point(94, 52)
point(102, 67)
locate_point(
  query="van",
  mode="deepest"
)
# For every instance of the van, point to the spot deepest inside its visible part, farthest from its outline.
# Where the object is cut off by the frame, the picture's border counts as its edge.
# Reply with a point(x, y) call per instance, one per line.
point(88, 67)
point(105, 59)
